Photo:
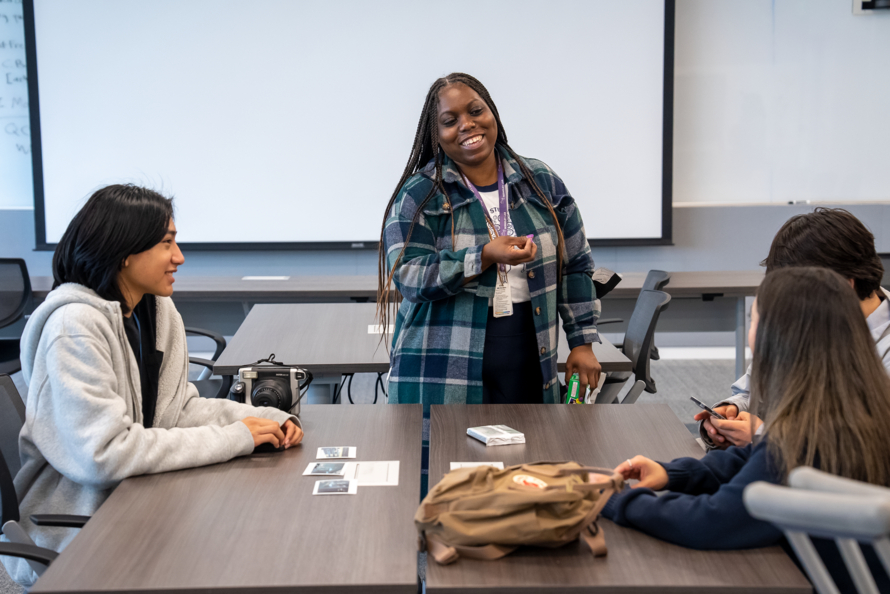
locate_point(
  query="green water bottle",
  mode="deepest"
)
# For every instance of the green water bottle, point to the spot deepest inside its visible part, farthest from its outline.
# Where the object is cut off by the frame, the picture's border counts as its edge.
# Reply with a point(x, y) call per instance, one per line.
point(574, 396)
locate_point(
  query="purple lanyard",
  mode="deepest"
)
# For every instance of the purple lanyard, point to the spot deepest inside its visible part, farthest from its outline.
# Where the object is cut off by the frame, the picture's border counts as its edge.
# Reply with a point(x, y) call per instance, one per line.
point(502, 201)
point(502, 204)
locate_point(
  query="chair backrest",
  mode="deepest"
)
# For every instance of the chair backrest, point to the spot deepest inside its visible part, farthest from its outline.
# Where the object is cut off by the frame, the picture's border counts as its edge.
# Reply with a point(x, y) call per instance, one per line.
point(12, 417)
point(15, 290)
point(848, 518)
point(640, 332)
point(656, 280)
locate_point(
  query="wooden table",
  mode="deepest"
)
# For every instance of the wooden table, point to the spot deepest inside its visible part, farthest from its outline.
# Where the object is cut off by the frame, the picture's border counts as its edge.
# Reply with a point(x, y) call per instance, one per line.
point(333, 338)
point(253, 525)
point(598, 435)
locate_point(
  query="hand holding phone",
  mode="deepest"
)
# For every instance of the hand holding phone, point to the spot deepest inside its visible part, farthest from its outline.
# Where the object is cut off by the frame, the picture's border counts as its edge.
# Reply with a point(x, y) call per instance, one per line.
point(707, 408)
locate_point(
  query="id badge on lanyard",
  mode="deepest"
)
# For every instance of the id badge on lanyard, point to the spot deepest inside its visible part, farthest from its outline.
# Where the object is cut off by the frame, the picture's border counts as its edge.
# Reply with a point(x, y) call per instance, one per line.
point(502, 304)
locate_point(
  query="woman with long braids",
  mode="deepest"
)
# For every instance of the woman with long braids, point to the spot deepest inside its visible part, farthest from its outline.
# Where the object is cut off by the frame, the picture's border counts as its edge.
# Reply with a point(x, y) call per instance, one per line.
point(484, 247)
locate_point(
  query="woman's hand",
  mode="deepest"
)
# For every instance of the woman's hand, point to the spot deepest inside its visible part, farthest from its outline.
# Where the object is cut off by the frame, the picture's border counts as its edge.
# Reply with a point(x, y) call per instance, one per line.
point(730, 411)
point(583, 362)
point(292, 434)
point(265, 431)
point(737, 431)
point(508, 250)
point(650, 473)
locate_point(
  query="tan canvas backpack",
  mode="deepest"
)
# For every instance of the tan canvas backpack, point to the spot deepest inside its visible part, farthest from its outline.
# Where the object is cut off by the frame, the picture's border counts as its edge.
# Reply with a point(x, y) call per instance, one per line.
point(486, 513)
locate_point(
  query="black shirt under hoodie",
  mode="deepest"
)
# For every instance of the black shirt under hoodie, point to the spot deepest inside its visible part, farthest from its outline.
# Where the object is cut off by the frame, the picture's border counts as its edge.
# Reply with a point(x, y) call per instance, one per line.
point(141, 329)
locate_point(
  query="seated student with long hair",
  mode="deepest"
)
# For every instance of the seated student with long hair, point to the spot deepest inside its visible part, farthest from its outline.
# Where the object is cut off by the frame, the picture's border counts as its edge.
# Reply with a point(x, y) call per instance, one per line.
point(824, 398)
point(106, 361)
point(827, 238)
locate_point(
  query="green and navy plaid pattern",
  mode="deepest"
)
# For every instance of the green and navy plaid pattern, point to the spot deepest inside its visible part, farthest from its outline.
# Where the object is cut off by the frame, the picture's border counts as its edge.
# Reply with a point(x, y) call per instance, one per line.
point(439, 337)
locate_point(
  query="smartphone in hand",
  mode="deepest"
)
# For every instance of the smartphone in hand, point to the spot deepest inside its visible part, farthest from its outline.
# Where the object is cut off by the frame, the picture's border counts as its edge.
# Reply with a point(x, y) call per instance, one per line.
point(707, 408)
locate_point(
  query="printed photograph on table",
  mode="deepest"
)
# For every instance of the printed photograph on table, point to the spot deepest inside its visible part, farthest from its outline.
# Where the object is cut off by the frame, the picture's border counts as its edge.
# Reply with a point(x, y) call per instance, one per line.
point(338, 452)
point(337, 487)
point(325, 468)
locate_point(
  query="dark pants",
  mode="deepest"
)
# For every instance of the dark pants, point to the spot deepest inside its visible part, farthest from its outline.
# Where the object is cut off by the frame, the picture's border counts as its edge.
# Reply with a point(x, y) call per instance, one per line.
point(511, 368)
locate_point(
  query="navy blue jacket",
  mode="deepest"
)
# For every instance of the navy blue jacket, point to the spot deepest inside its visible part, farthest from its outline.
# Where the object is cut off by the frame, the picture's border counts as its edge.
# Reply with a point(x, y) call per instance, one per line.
point(704, 510)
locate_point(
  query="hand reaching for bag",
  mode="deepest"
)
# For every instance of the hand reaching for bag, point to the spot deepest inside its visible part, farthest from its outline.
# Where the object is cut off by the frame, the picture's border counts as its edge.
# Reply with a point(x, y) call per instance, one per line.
point(650, 473)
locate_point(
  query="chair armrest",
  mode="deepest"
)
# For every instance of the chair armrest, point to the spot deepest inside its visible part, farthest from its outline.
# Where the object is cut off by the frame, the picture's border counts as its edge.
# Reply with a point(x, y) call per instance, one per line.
point(219, 339)
point(29, 552)
point(634, 392)
point(226, 379)
point(829, 515)
point(609, 321)
point(59, 521)
point(202, 362)
point(811, 479)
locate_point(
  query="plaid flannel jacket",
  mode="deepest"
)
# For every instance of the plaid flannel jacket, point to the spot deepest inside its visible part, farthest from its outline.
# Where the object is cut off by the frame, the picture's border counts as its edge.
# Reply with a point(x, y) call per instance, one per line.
point(439, 335)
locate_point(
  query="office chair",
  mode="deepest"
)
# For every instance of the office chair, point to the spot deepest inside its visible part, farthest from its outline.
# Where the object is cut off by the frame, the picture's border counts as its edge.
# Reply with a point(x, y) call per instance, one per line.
point(12, 418)
point(656, 280)
point(827, 506)
point(208, 387)
point(15, 296)
point(637, 347)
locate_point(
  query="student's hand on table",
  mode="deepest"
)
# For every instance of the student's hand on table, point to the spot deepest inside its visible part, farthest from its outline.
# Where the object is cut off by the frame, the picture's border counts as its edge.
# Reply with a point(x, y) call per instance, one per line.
point(265, 431)
point(292, 434)
point(737, 431)
point(583, 362)
point(730, 411)
point(650, 473)
point(508, 250)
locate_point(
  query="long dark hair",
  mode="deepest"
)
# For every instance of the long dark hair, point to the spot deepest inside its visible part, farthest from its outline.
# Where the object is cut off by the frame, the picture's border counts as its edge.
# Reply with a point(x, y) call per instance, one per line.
point(115, 223)
point(816, 378)
point(426, 148)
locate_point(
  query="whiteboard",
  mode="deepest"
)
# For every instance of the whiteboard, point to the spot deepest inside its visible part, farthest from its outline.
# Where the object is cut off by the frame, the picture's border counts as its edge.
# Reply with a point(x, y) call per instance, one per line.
point(16, 188)
point(286, 122)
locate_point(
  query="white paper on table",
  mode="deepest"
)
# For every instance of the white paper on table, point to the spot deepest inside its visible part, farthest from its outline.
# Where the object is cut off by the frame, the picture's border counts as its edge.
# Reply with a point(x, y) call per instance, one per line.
point(456, 465)
point(373, 474)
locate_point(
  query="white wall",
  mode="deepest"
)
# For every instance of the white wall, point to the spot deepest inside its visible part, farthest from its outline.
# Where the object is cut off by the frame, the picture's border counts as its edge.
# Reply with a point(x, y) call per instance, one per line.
point(779, 101)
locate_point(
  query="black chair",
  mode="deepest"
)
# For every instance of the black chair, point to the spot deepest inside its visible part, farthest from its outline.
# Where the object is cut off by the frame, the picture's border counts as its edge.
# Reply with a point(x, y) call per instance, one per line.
point(12, 418)
point(15, 296)
point(656, 280)
point(637, 346)
point(208, 387)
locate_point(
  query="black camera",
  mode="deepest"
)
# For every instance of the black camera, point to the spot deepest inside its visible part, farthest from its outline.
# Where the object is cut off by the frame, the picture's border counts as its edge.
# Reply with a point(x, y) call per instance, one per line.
point(278, 386)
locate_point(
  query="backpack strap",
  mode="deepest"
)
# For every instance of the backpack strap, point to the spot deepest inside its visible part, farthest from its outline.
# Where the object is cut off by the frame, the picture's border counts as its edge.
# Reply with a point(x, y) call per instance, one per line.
point(445, 554)
point(595, 538)
point(593, 534)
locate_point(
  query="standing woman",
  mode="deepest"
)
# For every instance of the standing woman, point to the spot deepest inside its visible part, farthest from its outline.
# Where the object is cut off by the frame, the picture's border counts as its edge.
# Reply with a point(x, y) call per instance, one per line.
point(106, 362)
point(485, 247)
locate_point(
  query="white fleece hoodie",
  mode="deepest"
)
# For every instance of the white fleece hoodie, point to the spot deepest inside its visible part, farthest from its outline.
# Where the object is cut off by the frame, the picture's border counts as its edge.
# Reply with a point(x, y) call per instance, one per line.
point(83, 430)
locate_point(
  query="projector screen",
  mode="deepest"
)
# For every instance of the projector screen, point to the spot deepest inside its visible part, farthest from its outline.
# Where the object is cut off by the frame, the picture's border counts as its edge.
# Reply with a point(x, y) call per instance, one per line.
point(287, 124)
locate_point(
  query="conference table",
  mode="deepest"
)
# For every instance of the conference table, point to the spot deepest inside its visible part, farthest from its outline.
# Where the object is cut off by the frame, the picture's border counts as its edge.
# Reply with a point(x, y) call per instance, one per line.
point(601, 435)
point(253, 524)
point(333, 339)
point(249, 290)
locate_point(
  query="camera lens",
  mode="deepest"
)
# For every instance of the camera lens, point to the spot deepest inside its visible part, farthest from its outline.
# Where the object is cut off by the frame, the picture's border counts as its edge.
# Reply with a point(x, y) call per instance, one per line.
point(270, 391)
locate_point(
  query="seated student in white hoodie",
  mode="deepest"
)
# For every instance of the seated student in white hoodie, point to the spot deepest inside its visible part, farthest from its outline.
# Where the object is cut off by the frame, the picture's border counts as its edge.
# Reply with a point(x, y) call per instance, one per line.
point(106, 363)
point(827, 238)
